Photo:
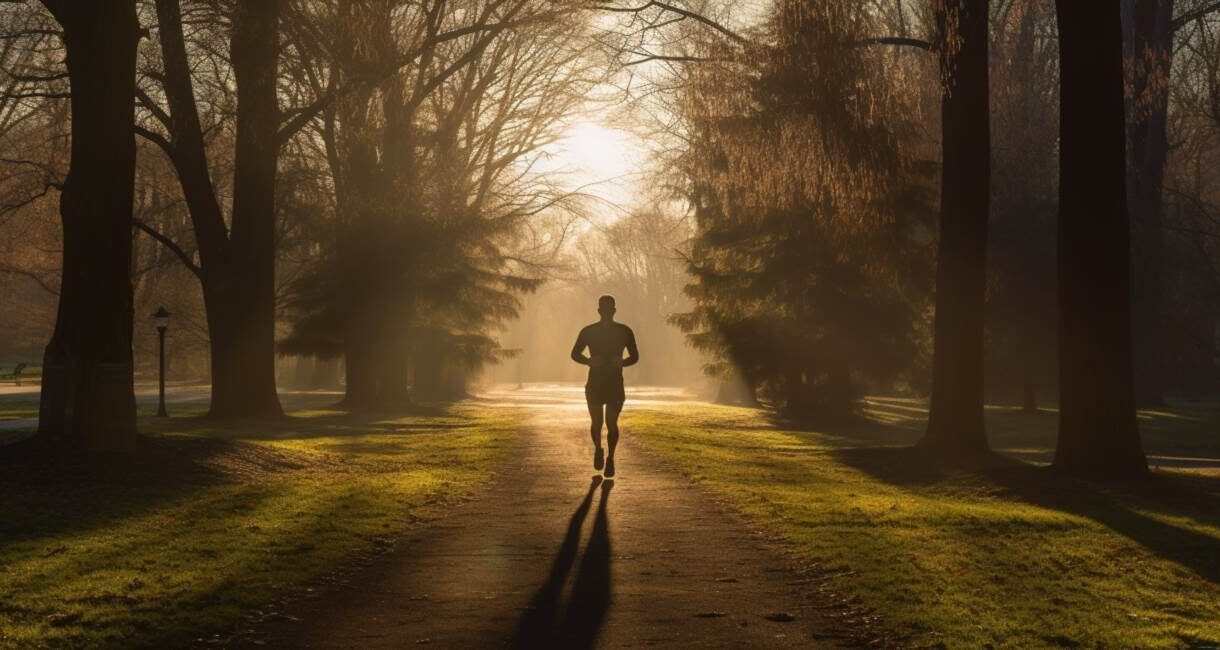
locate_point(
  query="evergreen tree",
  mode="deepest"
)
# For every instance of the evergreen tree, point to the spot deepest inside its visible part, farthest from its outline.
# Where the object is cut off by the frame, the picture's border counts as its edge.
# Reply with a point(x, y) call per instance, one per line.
point(808, 277)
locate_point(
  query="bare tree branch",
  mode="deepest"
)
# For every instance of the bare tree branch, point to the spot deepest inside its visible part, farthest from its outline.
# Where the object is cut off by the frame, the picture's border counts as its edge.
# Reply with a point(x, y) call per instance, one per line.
point(169, 243)
point(898, 40)
point(671, 8)
point(673, 58)
point(21, 203)
point(157, 139)
point(37, 78)
point(152, 106)
point(1198, 13)
point(4, 268)
point(38, 94)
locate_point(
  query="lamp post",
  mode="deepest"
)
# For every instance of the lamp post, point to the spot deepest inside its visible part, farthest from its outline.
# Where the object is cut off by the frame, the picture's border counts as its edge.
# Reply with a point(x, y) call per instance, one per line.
point(161, 320)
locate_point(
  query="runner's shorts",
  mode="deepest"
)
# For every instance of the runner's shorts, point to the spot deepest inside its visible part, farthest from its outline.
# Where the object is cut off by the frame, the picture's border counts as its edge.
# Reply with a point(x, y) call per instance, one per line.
point(605, 390)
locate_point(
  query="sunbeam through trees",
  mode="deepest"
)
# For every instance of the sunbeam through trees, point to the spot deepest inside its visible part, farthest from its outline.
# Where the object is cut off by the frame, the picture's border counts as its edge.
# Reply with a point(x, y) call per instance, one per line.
point(924, 293)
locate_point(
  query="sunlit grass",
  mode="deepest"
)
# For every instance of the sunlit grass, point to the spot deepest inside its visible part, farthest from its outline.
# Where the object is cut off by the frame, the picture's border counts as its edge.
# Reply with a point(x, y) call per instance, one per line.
point(156, 565)
point(1008, 555)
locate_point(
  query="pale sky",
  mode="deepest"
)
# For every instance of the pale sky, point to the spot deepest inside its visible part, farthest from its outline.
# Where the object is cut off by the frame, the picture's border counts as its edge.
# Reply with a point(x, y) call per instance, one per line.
point(600, 160)
point(610, 162)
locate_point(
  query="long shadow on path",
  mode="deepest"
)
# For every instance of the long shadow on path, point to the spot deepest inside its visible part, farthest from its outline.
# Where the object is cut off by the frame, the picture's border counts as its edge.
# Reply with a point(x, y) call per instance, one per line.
point(542, 626)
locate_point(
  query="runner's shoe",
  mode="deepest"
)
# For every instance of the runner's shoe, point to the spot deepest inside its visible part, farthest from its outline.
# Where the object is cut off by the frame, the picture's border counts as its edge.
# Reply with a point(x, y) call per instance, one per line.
point(609, 467)
point(598, 459)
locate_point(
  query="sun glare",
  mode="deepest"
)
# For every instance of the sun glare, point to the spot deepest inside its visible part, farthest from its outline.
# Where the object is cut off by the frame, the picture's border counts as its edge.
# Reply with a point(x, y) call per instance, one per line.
point(600, 160)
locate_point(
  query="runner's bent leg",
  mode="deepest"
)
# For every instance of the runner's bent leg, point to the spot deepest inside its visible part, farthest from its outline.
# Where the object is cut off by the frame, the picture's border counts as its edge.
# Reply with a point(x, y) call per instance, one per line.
point(595, 429)
point(612, 411)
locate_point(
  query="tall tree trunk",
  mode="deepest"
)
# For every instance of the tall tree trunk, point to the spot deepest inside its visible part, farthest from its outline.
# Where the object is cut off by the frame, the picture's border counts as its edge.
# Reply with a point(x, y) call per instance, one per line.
point(1098, 436)
point(302, 369)
point(237, 269)
point(243, 325)
point(1025, 76)
point(393, 362)
point(428, 365)
point(1151, 53)
point(325, 374)
point(955, 424)
point(88, 397)
point(359, 386)
point(1029, 398)
point(377, 357)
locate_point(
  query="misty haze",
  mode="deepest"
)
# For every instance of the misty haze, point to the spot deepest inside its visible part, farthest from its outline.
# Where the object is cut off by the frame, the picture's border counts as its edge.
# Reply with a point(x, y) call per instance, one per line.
point(609, 323)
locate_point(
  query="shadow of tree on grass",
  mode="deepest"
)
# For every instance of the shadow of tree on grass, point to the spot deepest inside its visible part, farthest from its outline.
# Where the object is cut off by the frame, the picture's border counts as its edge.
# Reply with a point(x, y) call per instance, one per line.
point(1116, 506)
point(318, 423)
point(44, 494)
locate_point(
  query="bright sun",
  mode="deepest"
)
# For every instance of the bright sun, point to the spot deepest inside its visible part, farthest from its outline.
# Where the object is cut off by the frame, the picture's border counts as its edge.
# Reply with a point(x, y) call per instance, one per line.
point(597, 159)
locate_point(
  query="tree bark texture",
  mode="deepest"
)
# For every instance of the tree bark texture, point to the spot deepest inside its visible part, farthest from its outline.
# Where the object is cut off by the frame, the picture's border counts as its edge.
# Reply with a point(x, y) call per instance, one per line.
point(242, 322)
point(955, 424)
point(88, 398)
point(1098, 436)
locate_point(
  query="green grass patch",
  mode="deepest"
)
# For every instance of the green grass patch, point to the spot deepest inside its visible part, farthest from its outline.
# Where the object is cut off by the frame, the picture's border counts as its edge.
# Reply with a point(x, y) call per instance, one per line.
point(20, 407)
point(230, 518)
point(1005, 555)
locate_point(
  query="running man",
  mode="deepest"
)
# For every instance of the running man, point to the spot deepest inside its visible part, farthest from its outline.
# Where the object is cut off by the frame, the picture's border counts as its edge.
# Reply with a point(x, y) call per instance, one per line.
point(606, 341)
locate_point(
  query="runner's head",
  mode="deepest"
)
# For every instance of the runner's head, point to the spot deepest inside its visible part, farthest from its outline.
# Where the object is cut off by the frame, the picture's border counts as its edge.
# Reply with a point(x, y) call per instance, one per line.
point(605, 306)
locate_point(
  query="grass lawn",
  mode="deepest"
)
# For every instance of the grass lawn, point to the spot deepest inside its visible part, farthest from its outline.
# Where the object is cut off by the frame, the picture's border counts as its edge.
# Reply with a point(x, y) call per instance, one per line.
point(19, 407)
point(216, 521)
point(1006, 555)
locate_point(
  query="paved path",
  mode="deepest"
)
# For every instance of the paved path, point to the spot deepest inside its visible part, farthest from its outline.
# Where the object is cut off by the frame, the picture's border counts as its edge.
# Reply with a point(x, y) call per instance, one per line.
point(551, 556)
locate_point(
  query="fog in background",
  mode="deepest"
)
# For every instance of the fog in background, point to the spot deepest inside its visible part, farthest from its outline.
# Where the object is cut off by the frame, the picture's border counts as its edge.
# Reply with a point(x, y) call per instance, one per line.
point(638, 258)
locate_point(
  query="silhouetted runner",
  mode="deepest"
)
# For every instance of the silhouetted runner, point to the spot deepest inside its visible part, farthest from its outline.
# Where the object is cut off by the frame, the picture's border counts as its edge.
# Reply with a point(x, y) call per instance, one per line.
point(606, 341)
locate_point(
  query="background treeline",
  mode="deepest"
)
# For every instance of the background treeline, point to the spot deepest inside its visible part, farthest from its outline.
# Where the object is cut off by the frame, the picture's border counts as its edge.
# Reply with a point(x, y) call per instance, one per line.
point(350, 182)
point(810, 147)
point(945, 197)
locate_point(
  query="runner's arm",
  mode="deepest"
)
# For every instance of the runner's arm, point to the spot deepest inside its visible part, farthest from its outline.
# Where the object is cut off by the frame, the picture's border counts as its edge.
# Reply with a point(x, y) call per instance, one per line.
point(633, 353)
point(578, 350)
